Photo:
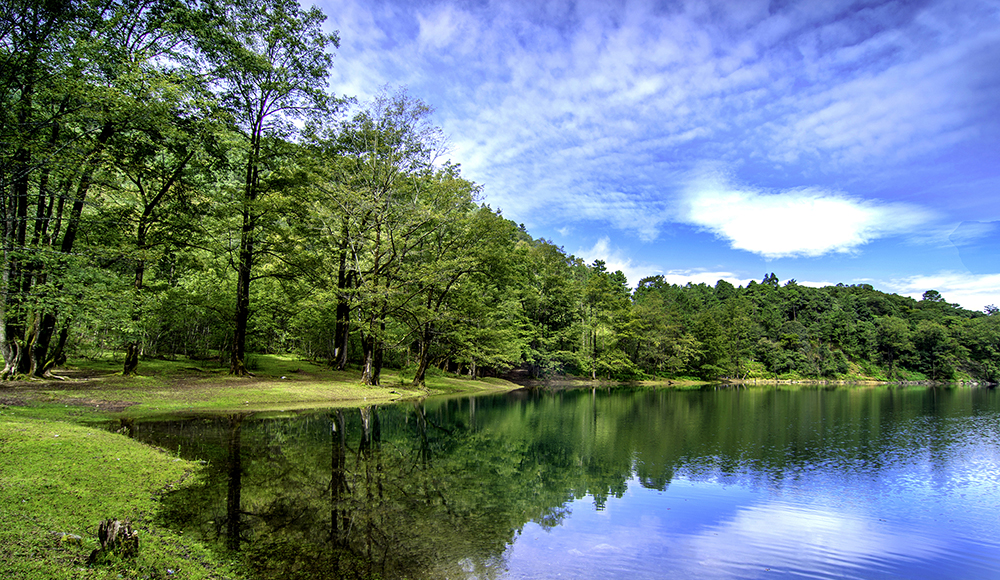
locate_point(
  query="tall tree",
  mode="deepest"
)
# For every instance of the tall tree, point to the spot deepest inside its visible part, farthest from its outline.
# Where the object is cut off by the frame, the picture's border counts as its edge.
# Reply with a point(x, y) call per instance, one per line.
point(159, 165)
point(271, 62)
point(389, 148)
point(552, 299)
point(70, 83)
point(37, 45)
point(458, 280)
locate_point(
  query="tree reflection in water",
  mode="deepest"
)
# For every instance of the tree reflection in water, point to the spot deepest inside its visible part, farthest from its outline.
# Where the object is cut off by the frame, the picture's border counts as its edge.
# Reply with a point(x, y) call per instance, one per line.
point(234, 468)
point(409, 505)
point(441, 489)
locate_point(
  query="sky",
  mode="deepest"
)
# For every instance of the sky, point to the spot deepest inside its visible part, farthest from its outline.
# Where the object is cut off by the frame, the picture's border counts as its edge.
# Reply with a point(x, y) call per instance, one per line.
point(827, 141)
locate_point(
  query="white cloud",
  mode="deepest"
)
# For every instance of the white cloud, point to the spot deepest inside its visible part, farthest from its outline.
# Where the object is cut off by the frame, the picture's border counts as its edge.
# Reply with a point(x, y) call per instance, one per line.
point(694, 276)
point(798, 222)
point(571, 112)
point(970, 291)
point(445, 25)
point(614, 259)
point(815, 284)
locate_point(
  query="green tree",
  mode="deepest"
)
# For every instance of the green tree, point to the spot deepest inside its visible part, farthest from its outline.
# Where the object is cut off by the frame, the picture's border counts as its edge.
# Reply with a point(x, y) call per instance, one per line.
point(738, 334)
point(270, 61)
point(892, 341)
point(980, 338)
point(606, 315)
point(935, 350)
point(388, 152)
point(159, 160)
point(463, 270)
point(71, 88)
point(553, 304)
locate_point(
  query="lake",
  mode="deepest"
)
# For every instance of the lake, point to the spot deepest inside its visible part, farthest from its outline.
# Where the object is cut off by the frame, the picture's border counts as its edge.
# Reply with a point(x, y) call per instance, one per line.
point(764, 482)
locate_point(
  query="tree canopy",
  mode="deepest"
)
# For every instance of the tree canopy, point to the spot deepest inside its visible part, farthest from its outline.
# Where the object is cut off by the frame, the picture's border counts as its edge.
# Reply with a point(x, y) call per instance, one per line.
point(177, 179)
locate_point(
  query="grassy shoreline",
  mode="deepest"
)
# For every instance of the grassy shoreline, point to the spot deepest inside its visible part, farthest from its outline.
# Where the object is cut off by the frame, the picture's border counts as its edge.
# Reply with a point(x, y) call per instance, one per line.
point(182, 386)
point(62, 472)
point(60, 480)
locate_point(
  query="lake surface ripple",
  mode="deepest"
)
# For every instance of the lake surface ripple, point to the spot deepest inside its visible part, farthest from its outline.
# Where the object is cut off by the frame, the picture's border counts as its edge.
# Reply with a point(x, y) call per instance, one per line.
point(847, 482)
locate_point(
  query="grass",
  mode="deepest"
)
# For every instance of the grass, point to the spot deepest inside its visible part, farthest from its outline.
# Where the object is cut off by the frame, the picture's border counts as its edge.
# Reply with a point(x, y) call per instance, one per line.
point(61, 474)
point(59, 480)
point(97, 389)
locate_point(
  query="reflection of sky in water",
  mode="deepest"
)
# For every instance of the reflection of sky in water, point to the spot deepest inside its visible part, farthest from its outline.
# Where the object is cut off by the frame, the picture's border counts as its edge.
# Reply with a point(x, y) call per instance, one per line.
point(929, 516)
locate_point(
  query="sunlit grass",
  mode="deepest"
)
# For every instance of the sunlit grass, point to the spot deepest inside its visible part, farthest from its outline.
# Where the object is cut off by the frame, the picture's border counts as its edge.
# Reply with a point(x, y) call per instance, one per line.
point(97, 388)
point(58, 481)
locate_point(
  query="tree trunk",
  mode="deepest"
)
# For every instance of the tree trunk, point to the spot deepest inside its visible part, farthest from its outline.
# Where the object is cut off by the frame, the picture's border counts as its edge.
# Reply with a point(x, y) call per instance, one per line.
point(237, 362)
point(40, 345)
point(132, 348)
point(377, 360)
point(342, 330)
point(14, 276)
point(419, 379)
point(368, 360)
point(37, 364)
point(58, 355)
point(371, 367)
point(131, 358)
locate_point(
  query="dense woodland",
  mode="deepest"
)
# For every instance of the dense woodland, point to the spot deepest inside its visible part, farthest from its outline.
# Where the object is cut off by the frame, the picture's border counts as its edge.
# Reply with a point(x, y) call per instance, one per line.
point(178, 179)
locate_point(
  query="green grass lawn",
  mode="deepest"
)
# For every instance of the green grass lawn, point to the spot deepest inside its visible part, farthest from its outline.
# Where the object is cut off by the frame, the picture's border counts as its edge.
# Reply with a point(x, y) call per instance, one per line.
point(59, 480)
point(97, 388)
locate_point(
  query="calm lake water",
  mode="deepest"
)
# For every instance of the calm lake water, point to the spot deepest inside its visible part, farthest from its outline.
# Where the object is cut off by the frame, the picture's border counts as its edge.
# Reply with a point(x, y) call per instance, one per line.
point(848, 482)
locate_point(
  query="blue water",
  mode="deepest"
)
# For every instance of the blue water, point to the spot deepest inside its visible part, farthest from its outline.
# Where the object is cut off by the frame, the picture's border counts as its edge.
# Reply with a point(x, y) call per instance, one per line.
point(926, 505)
point(852, 482)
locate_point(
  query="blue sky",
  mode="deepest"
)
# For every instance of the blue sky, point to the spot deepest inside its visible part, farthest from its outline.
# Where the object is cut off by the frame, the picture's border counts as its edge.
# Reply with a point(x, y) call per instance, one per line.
point(825, 140)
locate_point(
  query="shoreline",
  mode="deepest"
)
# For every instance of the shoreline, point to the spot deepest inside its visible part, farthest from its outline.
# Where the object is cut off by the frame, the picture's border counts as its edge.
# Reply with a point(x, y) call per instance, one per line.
point(861, 382)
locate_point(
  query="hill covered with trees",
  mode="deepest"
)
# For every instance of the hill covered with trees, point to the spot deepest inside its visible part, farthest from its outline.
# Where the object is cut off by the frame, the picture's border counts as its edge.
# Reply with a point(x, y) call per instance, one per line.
point(178, 180)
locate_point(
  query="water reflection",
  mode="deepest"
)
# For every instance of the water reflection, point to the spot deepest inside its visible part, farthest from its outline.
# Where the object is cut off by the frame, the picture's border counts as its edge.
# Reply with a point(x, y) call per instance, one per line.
point(728, 484)
point(234, 488)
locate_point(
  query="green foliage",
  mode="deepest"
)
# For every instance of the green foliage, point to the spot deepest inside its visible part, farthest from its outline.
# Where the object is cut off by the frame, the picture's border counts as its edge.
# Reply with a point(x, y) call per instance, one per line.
point(768, 330)
point(177, 181)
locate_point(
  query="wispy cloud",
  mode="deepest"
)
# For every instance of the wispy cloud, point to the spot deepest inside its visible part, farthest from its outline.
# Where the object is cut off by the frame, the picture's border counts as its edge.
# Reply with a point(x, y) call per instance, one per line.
point(891, 90)
point(583, 111)
point(970, 291)
point(797, 222)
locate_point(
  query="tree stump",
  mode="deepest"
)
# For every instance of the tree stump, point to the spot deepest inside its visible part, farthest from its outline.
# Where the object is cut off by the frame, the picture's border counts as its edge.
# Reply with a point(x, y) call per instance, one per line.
point(116, 537)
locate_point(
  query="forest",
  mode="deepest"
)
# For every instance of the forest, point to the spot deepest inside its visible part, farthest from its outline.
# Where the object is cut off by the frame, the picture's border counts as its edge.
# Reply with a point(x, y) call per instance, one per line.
point(179, 180)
